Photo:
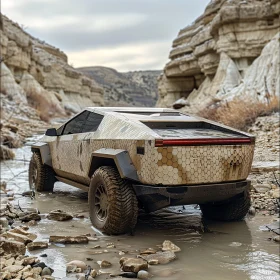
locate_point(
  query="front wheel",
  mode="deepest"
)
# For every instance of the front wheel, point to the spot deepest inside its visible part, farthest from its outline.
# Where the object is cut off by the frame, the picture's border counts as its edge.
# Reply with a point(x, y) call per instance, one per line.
point(41, 177)
point(113, 204)
point(233, 210)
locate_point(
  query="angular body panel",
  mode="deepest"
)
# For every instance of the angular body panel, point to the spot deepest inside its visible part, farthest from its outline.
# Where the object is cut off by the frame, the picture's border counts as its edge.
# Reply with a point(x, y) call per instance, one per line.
point(137, 132)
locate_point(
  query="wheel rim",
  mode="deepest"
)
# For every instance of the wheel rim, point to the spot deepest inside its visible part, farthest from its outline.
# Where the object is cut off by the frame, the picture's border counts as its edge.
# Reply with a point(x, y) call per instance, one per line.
point(101, 203)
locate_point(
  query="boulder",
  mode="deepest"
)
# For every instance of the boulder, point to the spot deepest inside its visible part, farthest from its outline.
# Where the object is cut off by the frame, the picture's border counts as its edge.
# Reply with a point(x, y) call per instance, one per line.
point(169, 246)
point(78, 264)
point(59, 215)
point(133, 264)
point(37, 245)
point(18, 237)
point(13, 247)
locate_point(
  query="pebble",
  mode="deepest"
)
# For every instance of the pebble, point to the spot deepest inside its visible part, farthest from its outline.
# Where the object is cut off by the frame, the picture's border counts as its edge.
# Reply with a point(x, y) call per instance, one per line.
point(142, 274)
point(46, 271)
point(276, 238)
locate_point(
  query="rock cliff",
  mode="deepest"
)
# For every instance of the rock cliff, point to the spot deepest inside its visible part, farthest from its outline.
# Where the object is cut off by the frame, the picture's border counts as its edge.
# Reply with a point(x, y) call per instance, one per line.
point(232, 49)
point(36, 73)
point(135, 88)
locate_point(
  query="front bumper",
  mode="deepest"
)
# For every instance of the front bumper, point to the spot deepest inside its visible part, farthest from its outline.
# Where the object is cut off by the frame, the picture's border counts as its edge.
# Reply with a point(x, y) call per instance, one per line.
point(156, 197)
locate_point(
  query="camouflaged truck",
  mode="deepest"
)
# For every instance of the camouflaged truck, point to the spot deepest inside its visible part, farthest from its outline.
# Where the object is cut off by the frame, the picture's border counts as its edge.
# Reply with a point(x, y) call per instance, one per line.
point(151, 158)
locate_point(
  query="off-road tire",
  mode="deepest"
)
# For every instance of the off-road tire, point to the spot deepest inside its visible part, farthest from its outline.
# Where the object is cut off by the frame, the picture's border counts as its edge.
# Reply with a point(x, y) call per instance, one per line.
point(233, 210)
point(122, 204)
point(41, 177)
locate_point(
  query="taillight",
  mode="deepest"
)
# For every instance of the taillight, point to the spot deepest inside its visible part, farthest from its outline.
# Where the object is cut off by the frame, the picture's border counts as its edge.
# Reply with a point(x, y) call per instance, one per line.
point(205, 141)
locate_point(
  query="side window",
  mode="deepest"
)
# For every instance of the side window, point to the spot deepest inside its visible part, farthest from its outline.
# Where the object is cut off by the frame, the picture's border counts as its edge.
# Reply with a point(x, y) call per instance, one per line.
point(92, 122)
point(76, 125)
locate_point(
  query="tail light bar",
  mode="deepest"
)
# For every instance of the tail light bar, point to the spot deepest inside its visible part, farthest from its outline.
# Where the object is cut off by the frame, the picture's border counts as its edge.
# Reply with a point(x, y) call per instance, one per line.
point(205, 141)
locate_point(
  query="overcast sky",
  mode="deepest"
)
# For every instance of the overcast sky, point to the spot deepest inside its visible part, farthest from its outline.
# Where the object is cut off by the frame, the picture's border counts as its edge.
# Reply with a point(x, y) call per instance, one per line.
point(122, 34)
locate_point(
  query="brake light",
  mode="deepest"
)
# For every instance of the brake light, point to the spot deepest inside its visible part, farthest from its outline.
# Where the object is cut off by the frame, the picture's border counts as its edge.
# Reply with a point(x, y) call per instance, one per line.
point(205, 141)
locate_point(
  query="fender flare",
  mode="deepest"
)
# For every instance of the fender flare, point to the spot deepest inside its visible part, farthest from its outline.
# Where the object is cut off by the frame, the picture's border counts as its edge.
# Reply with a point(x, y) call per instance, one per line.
point(45, 152)
point(119, 158)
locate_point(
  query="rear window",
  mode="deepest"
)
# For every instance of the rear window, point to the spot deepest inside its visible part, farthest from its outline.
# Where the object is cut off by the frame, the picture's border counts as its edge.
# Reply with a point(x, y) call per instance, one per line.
point(191, 130)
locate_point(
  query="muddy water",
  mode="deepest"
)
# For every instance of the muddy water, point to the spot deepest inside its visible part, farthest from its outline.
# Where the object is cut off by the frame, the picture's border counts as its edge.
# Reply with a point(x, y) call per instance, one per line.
point(210, 250)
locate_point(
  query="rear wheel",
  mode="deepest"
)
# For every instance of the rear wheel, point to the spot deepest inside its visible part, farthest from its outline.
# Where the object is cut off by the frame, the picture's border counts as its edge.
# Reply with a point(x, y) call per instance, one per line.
point(113, 204)
point(233, 210)
point(41, 177)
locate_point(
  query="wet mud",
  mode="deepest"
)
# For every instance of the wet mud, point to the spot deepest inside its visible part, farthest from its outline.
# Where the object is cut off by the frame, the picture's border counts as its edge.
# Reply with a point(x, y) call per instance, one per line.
point(209, 250)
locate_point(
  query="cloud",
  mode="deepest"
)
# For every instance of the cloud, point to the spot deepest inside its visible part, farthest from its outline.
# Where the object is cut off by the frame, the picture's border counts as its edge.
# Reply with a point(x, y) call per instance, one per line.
point(141, 56)
point(103, 27)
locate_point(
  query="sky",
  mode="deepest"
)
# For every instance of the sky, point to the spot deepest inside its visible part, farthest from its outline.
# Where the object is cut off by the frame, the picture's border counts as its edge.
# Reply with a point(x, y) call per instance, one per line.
point(127, 35)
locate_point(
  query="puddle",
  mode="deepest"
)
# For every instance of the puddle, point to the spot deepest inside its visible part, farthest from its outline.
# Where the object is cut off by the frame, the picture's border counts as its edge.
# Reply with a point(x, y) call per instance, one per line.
point(210, 250)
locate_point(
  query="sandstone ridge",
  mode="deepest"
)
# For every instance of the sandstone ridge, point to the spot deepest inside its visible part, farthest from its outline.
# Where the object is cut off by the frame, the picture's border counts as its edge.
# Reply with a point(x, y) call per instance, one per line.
point(232, 49)
point(37, 73)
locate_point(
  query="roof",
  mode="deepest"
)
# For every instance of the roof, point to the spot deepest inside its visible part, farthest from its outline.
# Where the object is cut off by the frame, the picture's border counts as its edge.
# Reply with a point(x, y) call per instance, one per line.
point(131, 109)
point(143, 114)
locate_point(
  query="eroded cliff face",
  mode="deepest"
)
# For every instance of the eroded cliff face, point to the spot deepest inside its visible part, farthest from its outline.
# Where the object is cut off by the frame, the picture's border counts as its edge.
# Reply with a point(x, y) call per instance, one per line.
point(36, 73)
point(232, 49)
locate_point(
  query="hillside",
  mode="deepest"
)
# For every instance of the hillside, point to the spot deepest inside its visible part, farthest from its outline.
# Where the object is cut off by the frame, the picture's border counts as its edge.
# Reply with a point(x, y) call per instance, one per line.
point(137, 88)
point(38, 74)
point(232, 50)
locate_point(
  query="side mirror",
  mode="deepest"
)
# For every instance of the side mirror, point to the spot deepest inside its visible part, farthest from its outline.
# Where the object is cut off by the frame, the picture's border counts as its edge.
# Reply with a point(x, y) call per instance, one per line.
point(51, 132)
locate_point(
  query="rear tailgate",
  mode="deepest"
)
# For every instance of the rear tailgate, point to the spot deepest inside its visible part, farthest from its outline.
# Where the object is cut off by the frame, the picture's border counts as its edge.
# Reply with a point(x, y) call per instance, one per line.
point(200, 153)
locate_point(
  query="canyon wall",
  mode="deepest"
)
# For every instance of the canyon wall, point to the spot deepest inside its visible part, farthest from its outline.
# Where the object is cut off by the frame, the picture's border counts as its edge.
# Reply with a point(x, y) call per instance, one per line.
point(37, 73)
point(231, 50)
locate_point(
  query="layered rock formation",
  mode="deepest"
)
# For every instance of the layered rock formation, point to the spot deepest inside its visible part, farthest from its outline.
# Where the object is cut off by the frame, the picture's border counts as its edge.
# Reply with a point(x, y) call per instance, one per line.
point(232, 49)
point(37, 73)
point(136, 88)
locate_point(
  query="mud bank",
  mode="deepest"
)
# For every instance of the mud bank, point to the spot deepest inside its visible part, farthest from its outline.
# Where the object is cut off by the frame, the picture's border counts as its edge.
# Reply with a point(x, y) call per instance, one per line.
point(209, 250)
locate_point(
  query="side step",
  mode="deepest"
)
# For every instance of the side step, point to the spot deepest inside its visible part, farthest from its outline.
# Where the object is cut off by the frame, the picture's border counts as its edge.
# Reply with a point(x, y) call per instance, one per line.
point(73, 183)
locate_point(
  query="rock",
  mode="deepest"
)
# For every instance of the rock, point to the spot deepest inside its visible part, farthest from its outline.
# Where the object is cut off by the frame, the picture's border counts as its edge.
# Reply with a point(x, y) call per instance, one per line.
point(169, 246)
point(128, 275)
point(46, 271)
point(161, 257)
point(262, 188)
point(275, 193)
point(30, 216)
point(19, 237)
point(133, 265)
point(59, 215)
point(4, 222)
point(93, 273)
point(68, 239)
point(13, 247)
point(21, 231)
point(77, 263)
point(104, 264)
point(30, 260)
point(153, 262)
point(43, 255)
point(71, 268)
point(142, 274)
point(212, 46)
point(13, 268)
point(41, 265)
point(252, 211)
point(37, 245)
point(276, 238)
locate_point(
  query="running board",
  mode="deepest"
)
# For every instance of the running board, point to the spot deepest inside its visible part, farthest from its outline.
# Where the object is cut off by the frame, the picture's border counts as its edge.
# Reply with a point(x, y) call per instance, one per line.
point(73, 183)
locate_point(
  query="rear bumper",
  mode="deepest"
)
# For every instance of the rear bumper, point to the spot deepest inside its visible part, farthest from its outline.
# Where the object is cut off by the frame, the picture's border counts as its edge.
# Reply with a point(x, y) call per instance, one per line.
point(157, 197)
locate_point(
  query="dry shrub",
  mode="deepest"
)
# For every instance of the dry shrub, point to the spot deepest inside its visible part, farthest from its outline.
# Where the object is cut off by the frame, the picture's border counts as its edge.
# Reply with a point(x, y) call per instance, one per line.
point(238, 113)
point(6, 153)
